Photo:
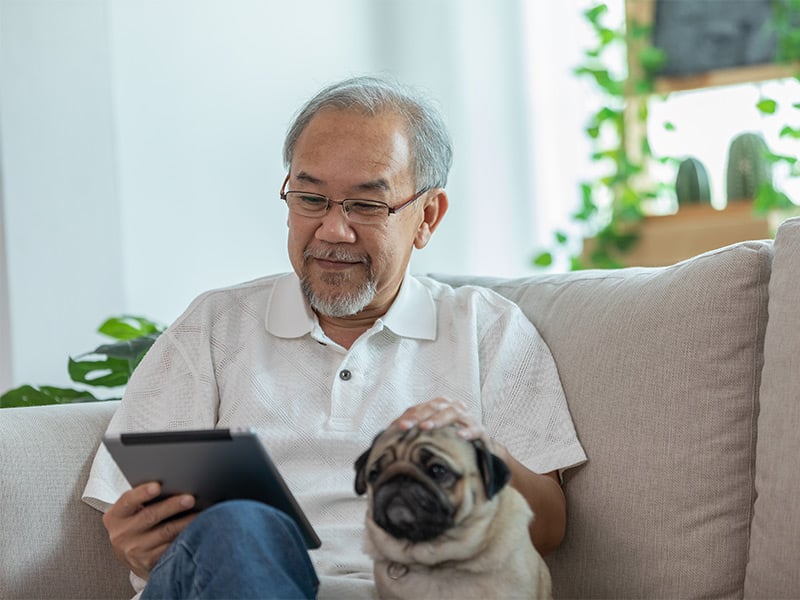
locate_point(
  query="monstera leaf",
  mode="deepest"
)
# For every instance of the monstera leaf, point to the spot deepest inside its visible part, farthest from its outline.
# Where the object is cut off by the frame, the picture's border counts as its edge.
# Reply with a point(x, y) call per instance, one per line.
point(107, 366)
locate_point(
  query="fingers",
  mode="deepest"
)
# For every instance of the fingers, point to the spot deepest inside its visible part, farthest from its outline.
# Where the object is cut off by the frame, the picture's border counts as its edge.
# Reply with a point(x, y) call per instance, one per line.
point(441, 412)
point(132, 501)
point(140, 532)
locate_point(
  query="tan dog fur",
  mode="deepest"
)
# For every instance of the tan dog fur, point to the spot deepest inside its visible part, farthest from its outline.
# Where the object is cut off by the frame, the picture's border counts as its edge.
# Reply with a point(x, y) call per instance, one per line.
point(484, 552)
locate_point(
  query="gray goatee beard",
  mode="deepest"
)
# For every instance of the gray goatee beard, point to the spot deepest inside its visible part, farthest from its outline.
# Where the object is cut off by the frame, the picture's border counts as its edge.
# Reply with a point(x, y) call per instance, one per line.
point(349, 299)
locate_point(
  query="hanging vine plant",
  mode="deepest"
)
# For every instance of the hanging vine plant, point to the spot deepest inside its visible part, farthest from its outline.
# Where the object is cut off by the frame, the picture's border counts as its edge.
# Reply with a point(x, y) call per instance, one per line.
point(611, 206)
point(785, 24)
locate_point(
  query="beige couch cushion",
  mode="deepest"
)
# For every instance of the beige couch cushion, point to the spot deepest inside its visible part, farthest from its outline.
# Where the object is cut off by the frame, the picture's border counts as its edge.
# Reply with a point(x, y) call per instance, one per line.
point(53, 545)
point(773, 570)
point(661, 368)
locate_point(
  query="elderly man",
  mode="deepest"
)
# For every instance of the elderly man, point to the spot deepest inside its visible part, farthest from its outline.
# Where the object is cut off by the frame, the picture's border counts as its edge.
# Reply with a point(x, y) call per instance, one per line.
point(320, 360)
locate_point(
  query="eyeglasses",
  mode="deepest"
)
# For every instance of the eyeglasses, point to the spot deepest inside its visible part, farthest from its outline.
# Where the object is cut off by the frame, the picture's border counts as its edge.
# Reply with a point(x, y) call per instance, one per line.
point(356, 210)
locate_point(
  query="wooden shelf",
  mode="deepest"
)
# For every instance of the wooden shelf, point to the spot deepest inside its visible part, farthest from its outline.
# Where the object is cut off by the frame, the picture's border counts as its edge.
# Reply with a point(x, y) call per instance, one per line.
point(747, 74)
point(693, 230)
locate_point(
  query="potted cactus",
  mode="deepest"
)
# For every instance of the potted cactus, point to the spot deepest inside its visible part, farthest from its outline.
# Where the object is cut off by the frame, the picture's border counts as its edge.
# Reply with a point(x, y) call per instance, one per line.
point(692, 184)
point(748, 167)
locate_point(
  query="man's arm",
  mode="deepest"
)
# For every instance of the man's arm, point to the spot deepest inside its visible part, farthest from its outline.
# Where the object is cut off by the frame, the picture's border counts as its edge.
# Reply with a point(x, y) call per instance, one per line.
point(542, 492)
point(545, 497)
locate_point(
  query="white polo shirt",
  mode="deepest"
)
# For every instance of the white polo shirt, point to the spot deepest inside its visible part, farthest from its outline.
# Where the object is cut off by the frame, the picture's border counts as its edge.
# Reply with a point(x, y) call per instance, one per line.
point(254, 355)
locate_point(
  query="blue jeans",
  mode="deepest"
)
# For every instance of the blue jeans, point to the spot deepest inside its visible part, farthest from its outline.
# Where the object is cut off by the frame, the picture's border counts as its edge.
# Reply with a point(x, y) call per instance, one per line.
point(236, 549)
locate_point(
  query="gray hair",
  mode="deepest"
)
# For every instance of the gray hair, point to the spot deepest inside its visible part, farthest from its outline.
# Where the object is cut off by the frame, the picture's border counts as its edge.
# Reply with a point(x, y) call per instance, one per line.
point(430, 142)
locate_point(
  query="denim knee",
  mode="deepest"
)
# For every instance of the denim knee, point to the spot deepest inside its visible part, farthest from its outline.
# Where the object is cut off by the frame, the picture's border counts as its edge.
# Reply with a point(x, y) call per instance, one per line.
point(243, 516)
point(238, 548)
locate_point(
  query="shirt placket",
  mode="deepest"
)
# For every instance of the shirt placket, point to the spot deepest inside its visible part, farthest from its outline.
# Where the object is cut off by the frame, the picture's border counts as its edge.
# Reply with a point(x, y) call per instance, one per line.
point(350, 382)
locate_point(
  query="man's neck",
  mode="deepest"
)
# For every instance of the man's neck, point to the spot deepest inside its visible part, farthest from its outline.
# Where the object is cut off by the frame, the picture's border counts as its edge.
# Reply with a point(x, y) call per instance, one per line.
point(345, 331)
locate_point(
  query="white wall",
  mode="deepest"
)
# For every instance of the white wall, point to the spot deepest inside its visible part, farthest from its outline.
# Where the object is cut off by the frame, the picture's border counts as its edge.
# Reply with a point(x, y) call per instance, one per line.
point(141, 146)
point(204, 92)
point(5, 320)
point(62, 214)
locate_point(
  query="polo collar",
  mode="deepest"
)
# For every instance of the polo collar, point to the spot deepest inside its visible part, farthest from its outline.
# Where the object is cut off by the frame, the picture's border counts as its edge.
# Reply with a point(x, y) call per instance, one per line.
point(412, 314)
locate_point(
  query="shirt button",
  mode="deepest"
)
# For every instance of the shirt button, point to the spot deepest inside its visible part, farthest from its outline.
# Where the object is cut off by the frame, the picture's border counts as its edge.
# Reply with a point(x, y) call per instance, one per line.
point(345, 375)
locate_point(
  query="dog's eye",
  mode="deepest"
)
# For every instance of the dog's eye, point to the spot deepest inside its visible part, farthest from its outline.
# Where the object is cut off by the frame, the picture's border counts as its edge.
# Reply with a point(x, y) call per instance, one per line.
point(440, 473)
point(373, 474)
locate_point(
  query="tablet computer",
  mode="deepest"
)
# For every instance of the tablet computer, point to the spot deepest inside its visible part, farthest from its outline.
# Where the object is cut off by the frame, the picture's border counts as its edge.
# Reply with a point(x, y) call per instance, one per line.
point(212, 465)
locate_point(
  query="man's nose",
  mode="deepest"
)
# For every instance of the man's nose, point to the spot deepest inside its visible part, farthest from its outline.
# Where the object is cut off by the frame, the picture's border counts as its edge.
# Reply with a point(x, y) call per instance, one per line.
point(334, 226)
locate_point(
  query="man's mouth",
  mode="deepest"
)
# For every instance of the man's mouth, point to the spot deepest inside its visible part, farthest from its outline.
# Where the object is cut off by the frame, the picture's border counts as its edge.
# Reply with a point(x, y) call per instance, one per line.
point(335, 259)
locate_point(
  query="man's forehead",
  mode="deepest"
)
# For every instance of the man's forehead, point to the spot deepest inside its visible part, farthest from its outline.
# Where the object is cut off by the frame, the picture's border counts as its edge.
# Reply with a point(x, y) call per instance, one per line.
point(347, 152)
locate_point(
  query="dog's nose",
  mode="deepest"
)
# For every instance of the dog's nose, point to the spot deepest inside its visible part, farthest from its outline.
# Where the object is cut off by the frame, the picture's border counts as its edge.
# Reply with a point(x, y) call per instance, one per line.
point(398, 513)
point(409, 509)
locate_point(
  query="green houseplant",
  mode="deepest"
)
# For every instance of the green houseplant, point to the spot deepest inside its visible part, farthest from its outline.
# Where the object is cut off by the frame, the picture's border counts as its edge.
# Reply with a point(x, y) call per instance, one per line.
point(786, 15)
point(108, 366)
point(613, 205)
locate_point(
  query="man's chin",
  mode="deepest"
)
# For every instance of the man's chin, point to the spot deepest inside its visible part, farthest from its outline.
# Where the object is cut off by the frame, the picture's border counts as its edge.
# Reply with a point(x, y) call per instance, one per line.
point(336, 296)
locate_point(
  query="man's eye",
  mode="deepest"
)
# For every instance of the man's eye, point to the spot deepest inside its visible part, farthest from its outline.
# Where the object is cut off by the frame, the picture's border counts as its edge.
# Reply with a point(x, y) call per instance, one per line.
point(313, 201)
point(366, 208)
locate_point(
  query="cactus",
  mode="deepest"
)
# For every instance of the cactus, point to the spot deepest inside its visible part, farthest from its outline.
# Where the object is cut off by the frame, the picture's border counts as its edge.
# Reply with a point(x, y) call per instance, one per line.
point(691, 184)
point(748, 167)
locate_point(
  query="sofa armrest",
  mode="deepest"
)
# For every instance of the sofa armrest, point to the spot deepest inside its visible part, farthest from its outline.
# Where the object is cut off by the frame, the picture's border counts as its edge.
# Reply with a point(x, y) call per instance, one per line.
point(54, 545)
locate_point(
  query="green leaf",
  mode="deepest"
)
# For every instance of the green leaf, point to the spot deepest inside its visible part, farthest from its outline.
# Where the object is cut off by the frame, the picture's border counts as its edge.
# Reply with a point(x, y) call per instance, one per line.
point(767, 106)
point(588, 206)
point(790, 132)
point(111, 372)
point(128, 327)
point(607, 36)
point(652, 59)
point(27, 395)
point(577, 264)
point(669, 126)
point(774, 158)
point(594, 14)
point(128, 349)
point(561, 238)
point(545, 259)
point(768, 198)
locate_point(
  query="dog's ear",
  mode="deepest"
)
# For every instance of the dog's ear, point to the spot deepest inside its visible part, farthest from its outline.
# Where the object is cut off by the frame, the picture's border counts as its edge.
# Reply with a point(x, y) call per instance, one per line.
point(361, 468)
point(493, 469)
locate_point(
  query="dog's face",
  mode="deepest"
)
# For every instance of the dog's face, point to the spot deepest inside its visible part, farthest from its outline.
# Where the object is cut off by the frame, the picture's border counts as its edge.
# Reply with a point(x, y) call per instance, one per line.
point(423, 483)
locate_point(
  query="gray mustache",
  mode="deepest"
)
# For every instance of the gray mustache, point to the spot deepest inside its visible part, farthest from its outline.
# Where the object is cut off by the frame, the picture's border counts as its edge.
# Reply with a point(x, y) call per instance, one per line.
point(337, 254)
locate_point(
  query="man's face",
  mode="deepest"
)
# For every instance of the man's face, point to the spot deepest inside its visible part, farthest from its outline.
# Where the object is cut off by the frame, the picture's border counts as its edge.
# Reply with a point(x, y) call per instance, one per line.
point(350, 268)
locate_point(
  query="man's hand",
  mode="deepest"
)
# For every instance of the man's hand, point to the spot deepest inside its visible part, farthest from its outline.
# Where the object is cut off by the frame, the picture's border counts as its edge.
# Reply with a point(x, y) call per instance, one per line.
point(441, 412)
point(138, 533)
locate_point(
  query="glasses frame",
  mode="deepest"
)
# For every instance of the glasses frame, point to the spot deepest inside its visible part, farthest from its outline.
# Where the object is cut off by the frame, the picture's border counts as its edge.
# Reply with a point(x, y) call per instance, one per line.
point(391, 209)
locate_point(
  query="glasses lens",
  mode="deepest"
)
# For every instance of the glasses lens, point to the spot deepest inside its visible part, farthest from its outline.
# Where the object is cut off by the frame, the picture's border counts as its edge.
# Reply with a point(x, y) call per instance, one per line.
point(307, 205)
point(366, 211)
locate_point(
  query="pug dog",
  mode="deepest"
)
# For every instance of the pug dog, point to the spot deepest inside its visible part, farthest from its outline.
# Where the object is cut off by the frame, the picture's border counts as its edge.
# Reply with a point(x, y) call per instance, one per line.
point(443, 523)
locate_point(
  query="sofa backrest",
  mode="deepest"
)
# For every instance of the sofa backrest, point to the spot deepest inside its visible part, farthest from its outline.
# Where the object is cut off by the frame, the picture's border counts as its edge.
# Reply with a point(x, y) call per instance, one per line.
point(53, 545)
point(661, 369)
point(774, 567)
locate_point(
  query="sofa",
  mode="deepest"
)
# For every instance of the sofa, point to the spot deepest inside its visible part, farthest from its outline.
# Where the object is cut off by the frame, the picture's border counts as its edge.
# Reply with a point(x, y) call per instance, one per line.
point(684, 385)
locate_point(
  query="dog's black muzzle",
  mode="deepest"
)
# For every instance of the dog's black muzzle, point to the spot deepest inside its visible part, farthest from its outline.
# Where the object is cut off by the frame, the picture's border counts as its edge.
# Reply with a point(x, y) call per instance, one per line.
point(410, 509)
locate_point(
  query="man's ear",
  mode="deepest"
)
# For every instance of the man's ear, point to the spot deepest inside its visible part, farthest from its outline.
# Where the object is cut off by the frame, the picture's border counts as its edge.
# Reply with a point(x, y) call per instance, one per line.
point(494, 471)
point(436, 204)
